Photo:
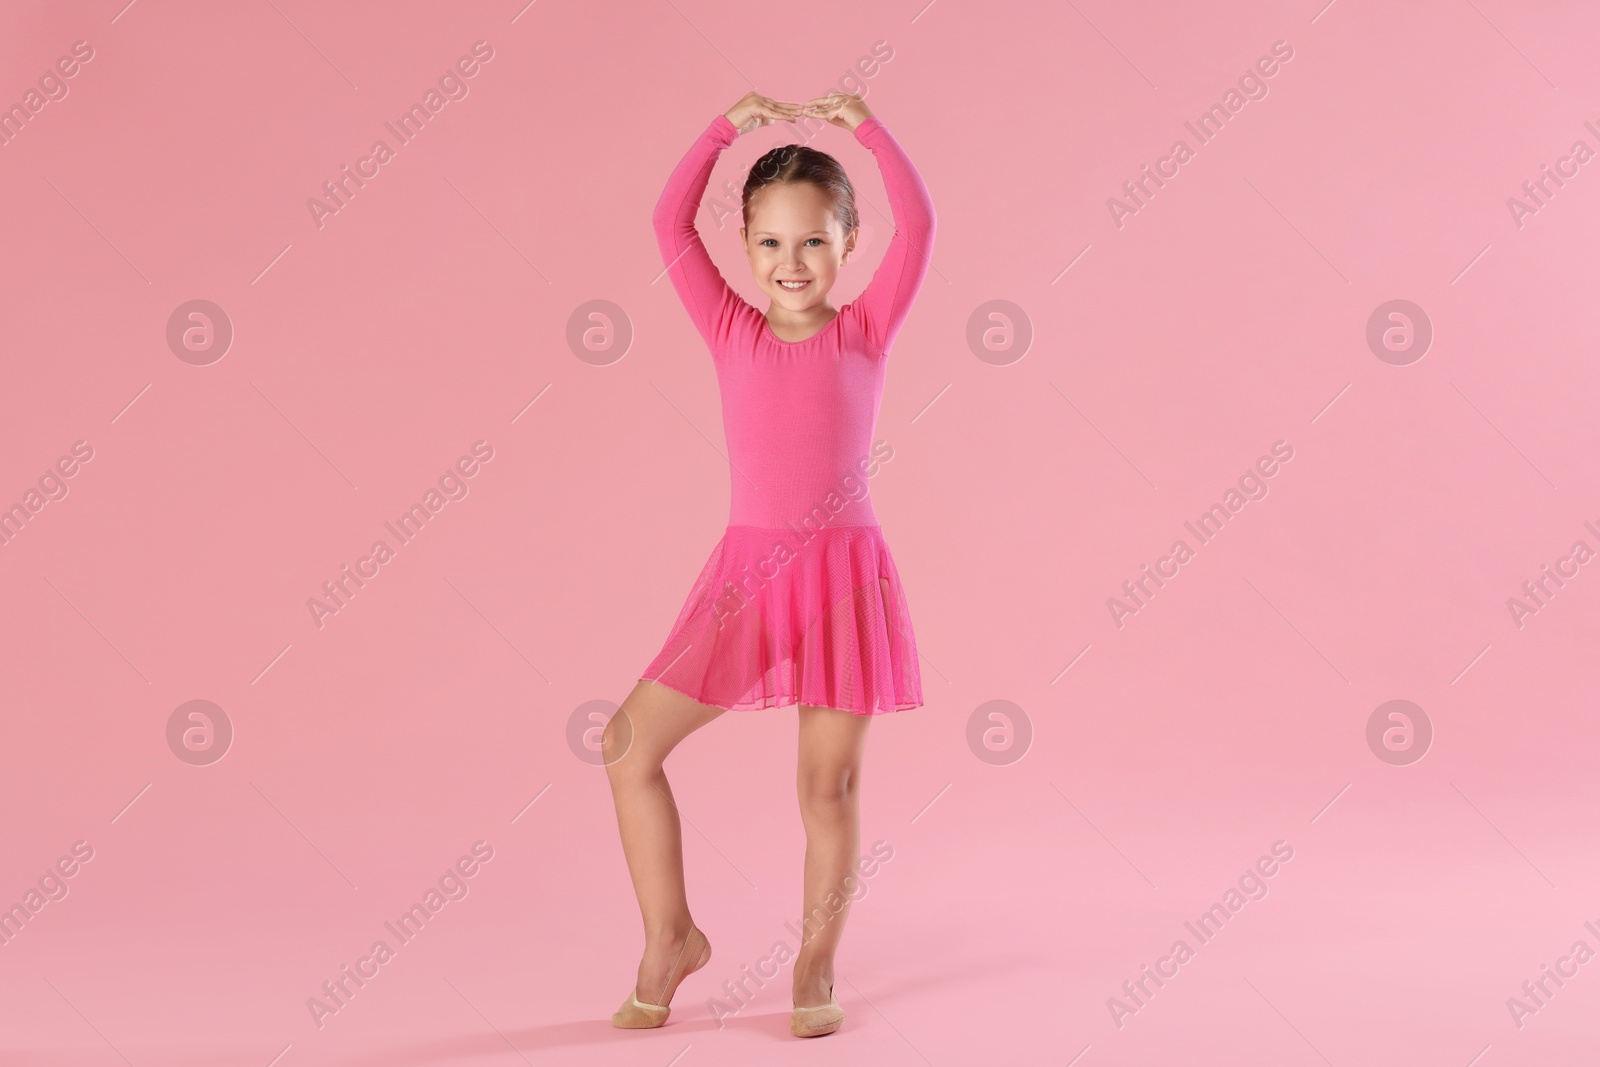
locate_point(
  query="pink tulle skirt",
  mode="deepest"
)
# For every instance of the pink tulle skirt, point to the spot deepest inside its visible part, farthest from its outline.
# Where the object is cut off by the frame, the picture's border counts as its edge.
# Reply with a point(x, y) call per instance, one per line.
point(780, 617)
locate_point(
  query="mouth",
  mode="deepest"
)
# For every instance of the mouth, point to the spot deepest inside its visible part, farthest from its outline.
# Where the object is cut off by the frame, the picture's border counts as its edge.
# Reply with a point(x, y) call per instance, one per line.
point(794, 286)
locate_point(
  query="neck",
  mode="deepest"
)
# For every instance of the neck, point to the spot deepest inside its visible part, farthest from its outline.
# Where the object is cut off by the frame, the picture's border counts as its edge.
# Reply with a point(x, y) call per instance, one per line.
point(820, 315)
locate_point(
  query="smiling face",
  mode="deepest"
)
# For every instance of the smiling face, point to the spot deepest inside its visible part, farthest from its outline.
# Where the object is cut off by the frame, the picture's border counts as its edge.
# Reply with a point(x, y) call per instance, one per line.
point(795, 234)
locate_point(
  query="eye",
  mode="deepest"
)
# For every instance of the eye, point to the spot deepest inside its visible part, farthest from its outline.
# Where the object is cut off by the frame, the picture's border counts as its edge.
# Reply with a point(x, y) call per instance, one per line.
point(816, 239)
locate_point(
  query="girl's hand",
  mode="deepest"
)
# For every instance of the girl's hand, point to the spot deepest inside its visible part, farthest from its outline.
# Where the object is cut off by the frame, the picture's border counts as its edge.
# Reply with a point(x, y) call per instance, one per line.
point(841, 109)
point(754, 111)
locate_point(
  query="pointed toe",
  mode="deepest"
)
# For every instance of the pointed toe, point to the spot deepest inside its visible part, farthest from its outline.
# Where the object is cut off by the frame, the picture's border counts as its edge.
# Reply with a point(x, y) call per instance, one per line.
point(635, 1014)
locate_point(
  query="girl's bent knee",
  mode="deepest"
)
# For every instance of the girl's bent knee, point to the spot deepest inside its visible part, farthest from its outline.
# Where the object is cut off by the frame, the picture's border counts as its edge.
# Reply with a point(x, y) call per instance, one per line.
point(616, 743)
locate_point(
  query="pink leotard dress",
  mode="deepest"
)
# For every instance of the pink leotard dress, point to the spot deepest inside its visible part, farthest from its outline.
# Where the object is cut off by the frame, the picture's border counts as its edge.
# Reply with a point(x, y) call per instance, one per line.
point(800, 601)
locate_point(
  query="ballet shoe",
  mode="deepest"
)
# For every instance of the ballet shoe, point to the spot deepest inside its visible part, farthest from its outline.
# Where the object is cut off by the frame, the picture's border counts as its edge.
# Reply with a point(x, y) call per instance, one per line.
point(635, 1014)
point(814, 1022)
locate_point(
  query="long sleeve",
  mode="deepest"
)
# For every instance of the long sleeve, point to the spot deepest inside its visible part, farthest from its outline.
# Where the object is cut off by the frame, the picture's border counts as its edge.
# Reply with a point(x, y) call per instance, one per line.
point(701, 287)
point(888, 296)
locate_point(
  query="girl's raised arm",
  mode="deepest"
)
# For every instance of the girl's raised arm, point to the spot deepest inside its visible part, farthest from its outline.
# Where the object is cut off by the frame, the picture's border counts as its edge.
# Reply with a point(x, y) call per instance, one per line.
point(700, 285)
point(887, 298)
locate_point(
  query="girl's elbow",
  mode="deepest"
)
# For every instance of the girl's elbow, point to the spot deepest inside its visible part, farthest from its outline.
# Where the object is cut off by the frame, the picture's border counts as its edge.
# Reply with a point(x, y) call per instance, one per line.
point(666, 209)
point(666, 226)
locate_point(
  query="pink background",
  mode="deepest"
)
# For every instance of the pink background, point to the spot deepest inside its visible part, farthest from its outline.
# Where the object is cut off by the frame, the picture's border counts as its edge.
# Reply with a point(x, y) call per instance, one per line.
point(431, 312)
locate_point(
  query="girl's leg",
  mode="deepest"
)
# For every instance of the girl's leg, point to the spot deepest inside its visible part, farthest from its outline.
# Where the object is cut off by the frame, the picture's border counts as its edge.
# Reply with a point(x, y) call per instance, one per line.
point(648, 725)
point(832, 743)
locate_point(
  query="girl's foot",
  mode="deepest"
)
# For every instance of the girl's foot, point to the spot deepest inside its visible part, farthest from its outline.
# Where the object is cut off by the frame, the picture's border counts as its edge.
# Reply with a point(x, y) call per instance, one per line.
point(658, 962)
point(813, 988)
point(659, 980)
point(818, 1020)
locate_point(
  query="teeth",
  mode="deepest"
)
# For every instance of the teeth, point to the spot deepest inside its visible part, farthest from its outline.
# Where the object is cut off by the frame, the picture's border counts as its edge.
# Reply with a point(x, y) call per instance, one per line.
point(795, 285)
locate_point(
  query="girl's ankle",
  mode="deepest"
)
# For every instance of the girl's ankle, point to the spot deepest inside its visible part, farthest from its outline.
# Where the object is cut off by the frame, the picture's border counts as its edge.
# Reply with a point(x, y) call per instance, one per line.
point(669, 937)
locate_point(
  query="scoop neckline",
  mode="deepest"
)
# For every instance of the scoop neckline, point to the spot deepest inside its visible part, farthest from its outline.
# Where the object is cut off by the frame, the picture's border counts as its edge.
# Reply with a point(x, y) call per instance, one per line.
point(767, 326)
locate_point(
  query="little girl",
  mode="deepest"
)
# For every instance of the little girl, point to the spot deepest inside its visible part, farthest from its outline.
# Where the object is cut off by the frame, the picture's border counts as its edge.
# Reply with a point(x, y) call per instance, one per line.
point(799, 602)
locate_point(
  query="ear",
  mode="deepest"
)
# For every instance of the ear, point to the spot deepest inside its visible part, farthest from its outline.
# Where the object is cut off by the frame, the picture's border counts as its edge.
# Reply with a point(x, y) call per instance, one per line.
point(850, 243)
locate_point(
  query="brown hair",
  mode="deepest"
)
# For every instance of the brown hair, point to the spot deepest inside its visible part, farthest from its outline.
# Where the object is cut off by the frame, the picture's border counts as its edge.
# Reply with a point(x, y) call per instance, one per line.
point(793, 163)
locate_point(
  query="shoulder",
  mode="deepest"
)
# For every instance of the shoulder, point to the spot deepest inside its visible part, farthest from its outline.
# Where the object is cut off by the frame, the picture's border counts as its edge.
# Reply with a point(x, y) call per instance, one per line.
point(748, 321)
point(853, 319)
